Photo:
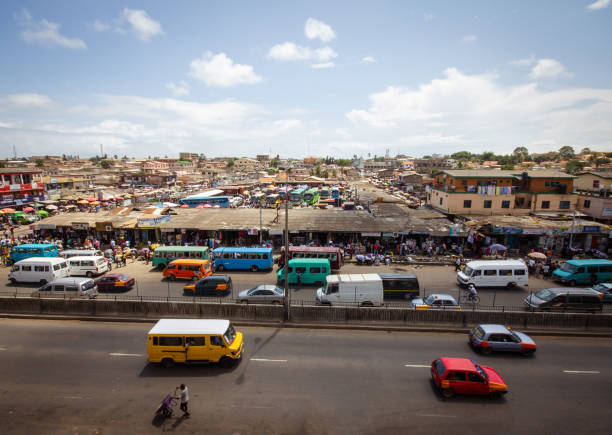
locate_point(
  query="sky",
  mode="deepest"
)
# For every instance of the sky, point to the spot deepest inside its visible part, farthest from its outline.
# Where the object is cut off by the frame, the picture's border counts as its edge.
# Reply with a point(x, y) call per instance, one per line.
point(296, 78)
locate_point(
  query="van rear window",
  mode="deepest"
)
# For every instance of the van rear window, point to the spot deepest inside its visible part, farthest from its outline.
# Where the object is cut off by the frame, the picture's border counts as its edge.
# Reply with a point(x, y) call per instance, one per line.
point(439, 367)
point(170, 341)
point(518, 272)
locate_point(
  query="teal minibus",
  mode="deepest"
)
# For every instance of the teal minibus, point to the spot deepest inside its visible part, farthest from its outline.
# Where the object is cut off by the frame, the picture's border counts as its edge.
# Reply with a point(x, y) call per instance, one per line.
point(579, 271)
point(310, 271)
point(23, 252)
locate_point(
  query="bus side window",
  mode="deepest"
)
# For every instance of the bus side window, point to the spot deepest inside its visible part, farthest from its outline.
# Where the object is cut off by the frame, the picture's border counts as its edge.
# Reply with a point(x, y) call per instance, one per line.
point(154, 341)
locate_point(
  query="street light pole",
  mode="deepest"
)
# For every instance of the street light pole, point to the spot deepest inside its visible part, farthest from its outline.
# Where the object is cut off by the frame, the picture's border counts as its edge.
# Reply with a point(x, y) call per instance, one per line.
point(286, 281)
point(572, 233)
point(260, 225)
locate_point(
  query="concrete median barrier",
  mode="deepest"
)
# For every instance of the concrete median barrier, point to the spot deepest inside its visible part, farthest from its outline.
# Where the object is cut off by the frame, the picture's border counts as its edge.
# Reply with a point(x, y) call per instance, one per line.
point(402, 317)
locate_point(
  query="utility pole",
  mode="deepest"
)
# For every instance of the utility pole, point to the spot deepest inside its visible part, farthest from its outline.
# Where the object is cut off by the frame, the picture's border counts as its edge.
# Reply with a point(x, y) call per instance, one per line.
point(260, 225)
point(286, 281)
point(572, 233)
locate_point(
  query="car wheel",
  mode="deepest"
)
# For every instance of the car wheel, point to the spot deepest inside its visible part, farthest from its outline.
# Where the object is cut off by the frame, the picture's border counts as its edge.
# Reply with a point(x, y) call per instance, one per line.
point(172, 277)
point(88, 274)
point(527, 352)
point(511, 285)
point(448, 393)
point(13, 281)
point(486, 350)
point(168, 362)
point(220, 268)
point(276, 303)
point(43, 281)
point(226, 362)
point(254, 268)
point(495, 395)
point(244, 302)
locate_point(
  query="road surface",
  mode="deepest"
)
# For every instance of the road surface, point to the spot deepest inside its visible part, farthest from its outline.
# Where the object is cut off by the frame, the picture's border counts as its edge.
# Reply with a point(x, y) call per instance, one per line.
point(88, 377)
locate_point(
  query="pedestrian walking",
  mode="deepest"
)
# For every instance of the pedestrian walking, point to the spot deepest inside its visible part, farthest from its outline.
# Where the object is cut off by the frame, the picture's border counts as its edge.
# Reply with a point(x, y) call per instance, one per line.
point(458, 265)
point(184, 400)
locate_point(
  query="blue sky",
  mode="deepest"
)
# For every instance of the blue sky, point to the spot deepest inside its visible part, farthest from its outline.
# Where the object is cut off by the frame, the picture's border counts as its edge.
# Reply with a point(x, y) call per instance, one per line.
point(304, 78)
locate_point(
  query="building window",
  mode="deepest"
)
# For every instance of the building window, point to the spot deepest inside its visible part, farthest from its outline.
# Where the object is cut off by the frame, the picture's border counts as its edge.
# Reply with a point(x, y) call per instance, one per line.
point(564, 205)
point(545, 204)
point(505, 204)
point(551, 183)
point(440, 201)
point(487, 203)
point(587, 203)
point(467, 203)
point(464, 182)
point(596, 184)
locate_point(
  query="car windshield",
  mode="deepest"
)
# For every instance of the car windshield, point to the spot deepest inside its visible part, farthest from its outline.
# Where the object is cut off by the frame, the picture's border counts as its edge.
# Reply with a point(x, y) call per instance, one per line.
point(439, 367)
point(279, 290)
point(229, 335)
point(569, 268)
point(478, 332)
point(545, 295)
point(481, 371)
point(600, 288)
point(88, 285)
point(468, 271)
point(429, 299)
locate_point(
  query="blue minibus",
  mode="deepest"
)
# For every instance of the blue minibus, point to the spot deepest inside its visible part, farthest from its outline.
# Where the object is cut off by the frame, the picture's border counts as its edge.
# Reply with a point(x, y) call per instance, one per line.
point(22, 252)
point(252, 259)
point(579, 271)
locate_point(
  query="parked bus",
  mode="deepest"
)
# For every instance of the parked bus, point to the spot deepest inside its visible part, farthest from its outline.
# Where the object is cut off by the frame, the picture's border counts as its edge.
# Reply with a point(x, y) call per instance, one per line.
point(335, 192)
point(252, 259)
point(324, 193)
point(258, 198)
point(272, 200)
point(166, 254)
point(282, 193)
point(332, 253)
point(311, 196)
point(297, 196)
point(22, 252)
point(305, 271)
point(579, 271)
point(194, 201)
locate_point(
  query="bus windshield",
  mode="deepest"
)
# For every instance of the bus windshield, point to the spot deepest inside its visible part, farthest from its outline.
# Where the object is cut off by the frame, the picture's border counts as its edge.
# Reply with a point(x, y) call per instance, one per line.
point(468, 271)
point(230, 335)
point(569, 268)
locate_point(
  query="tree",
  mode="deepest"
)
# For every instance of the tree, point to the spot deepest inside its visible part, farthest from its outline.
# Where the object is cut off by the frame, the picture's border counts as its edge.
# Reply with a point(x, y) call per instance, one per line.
point(40, 163)
point(343, 162)
point(115, 157)
point(274, 163)
point(574, 166)
point(230, 162)
point(325, 173)
point(105, 164)
point(508, 167)
point(585, 151)
point(521, 153)
point(487, 156)
point(461, 155)
point(566, 152)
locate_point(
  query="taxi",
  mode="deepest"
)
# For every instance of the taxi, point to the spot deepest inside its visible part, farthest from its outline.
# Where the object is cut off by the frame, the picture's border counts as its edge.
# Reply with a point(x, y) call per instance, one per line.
point(436, 301)
point(500, 338)
point(463, 376)
point(115, 282)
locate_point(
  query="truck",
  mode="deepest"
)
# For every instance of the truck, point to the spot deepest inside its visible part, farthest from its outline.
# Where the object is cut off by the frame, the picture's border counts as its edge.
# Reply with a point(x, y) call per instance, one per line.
point(361, 289)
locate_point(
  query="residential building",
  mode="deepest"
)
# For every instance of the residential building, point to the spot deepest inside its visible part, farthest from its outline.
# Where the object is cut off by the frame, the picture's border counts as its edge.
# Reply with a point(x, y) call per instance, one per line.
point(591, 181)
point(263, 158)
point(19, 186)
point(428, 166)
point(594, 194)
point(492, 192)
point(245, 164)
point(194, 157)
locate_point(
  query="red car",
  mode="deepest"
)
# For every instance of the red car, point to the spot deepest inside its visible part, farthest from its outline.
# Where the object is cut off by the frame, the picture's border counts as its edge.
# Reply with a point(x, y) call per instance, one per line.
point(113, 282)
point(463, 376)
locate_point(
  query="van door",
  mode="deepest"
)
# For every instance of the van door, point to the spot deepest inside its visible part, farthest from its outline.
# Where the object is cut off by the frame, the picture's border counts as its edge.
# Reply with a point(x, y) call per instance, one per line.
point(489, 277)
point(579, 276)
point(216, 348)
point(196, 348)
point(595, 270)
point(476, 277)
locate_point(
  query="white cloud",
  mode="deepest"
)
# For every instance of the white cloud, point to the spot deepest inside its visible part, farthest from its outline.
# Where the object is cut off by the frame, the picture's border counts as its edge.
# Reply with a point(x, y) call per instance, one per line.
point(314, 29)
point(100, 26)
point(527, 61)
point(178, 90)
point(475, 112)
point(219, 70)
point(547, 68)
point(368, 59)
point(323, 65)
point(25, 100)
point(142, 24)
point(468, 39)
point(599, 4)
point(46, 33)
point(290, 51)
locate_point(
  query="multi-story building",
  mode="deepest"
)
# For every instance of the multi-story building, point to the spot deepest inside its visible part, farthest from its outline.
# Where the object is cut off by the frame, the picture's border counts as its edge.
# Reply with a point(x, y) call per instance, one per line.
point(495, 192)
point(428, 166)
point(154, 166)
point(594, 194)
point(19, 186)
point(245, 164)
point(189, 156)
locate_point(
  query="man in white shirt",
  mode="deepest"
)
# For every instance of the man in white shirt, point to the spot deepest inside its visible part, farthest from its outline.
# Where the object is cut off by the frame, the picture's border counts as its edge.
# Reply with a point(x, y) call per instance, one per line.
point(184, 400)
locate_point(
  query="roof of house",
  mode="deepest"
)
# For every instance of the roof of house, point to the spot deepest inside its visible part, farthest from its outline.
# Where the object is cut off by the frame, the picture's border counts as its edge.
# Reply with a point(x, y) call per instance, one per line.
point(495, 173)
point(600, 174)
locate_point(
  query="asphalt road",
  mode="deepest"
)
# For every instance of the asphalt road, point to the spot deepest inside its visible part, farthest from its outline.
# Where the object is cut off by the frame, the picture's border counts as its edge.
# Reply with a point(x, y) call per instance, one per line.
point(432, 279)
point(72, 377)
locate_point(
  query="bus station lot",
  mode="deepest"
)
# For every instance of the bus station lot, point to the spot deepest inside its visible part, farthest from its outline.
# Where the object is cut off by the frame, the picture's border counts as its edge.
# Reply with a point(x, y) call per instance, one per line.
point(432, 279)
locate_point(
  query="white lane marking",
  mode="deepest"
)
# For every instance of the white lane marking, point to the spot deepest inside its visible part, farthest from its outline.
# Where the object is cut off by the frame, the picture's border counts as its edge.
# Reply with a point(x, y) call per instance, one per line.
point(2, 348)
point(592, 372)
point(419, 366)
point(268, 360)
point(436, 415)
point(73, 397)
point(124, 354)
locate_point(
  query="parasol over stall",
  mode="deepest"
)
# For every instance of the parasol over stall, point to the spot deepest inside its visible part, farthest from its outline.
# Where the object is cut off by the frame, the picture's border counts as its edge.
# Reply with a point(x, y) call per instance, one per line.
point(537, 255)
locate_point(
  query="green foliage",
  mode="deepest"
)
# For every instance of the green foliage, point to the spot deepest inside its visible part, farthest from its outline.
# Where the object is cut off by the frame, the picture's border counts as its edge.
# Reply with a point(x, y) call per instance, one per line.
point(508, 167)
point(274, 163)
point(105, 164)
point(462, 155)
point(40, 163)
point(574, 166)
point(271, 171)
point(230, 162)
point(566, 152)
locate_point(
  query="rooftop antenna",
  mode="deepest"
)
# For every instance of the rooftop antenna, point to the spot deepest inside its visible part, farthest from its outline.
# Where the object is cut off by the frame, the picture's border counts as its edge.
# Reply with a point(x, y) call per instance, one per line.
point(14, 152)
point(101, 150)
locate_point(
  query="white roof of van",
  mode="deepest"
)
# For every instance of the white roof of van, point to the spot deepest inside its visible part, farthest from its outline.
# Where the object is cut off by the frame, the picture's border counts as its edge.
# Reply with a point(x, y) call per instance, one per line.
point(496, 263)
point(84, 257)
point(190, 326)
point(44, 259)
point(355, 277)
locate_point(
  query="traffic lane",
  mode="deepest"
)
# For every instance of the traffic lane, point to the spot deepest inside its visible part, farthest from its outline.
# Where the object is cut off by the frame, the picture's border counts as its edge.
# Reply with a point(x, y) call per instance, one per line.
point(329, 381)
point(432, 279)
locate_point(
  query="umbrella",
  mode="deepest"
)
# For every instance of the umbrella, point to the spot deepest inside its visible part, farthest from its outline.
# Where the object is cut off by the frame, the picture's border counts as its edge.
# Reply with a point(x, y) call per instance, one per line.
point(170, 204)
point(82, 201)
point(200, 206)
point(497, 247)
point(8, 210)
point(91, 199)
point(537, 255)
point(95, 203)
point(53, 207)
point(28, 209)
point(118, 198)
point(184, 206)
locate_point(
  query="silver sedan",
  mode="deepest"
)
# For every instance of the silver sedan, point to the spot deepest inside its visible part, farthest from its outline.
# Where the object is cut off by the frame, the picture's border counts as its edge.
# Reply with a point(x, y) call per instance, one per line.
point(263, 294)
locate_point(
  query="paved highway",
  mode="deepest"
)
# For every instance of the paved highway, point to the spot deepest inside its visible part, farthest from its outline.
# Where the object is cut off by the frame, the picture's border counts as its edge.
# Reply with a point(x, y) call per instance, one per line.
point(87, 377)
point(433, 279)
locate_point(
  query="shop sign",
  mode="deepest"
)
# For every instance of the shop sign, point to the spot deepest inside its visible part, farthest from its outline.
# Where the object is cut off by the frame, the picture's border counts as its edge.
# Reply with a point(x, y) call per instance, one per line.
point(533, 231)
point(370, 234)
point(276, 232)
point(167, 230)
point(15, 187)
point(46, 226)
point(591, 228)
point(389, 234)
point(508, 230)
point(80, 226)
point(607, 212)
point(403, 233)
point(152, 222)
point(421, 233)
point(558, 231)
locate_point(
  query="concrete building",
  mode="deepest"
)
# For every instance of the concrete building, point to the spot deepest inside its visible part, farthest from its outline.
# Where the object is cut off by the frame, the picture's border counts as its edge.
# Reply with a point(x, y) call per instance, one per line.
point(245, 164)
point(194, 157)
point(495, 192)
point(20, 186)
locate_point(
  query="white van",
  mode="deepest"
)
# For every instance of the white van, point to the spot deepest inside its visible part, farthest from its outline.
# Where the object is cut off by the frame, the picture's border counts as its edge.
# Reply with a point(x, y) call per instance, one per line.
point(87, 266)
point(494, 273)
point(363, 289)
point(69, 253)
point(38, 269)
point(68, 287)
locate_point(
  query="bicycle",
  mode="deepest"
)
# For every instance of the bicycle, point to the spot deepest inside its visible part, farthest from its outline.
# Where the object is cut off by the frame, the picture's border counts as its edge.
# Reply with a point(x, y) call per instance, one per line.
point(468, 298)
